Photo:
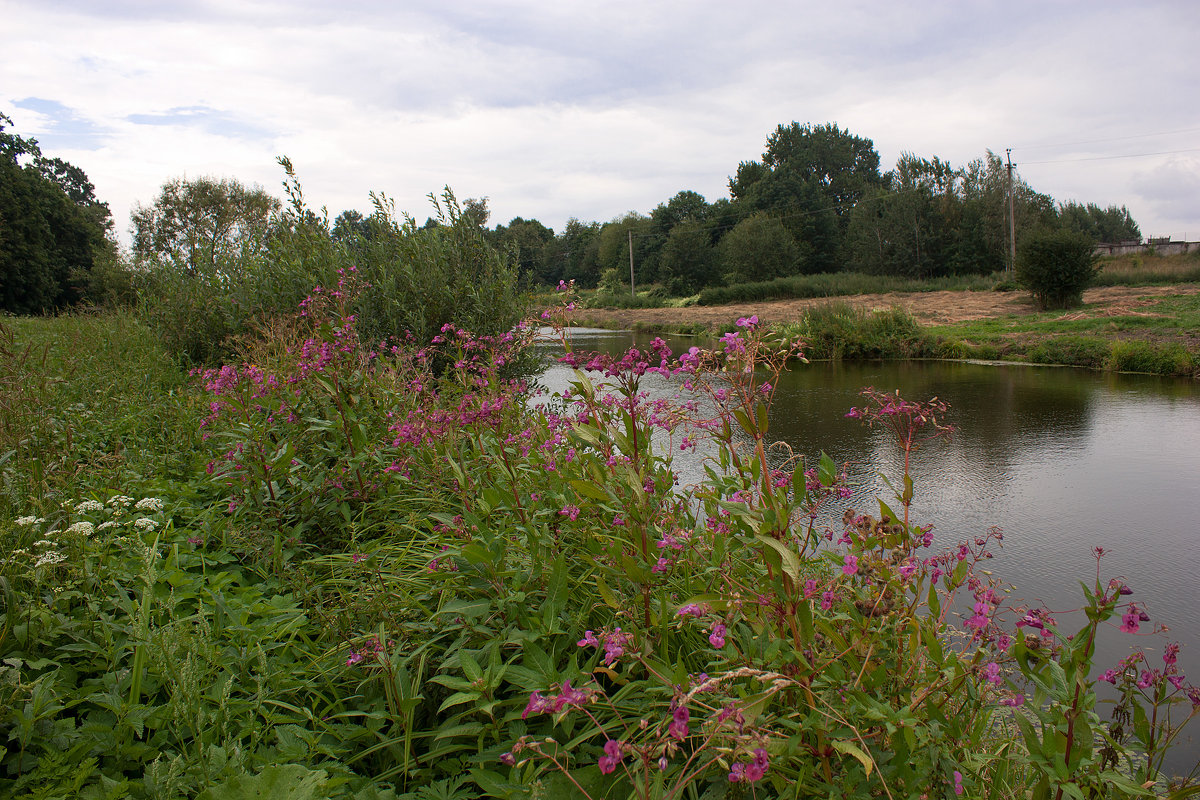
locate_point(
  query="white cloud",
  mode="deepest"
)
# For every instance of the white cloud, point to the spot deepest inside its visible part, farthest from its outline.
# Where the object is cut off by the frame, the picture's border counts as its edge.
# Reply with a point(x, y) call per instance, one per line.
point(558, 109)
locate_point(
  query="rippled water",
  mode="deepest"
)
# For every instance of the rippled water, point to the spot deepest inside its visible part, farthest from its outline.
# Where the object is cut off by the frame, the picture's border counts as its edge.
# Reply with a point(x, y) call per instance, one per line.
point(1061, 460)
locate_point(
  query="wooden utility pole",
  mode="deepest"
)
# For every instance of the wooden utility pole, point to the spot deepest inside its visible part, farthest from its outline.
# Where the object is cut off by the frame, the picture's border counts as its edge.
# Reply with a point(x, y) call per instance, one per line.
point(1012, 218)
point(631, 292)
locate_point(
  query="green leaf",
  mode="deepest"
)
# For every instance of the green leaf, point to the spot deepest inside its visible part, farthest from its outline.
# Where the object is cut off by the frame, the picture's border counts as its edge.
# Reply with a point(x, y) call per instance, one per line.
point(850, 749)
point(458, 698)
point(470, 666)
point(589, 489)
point(789, 560)
point(283, 782)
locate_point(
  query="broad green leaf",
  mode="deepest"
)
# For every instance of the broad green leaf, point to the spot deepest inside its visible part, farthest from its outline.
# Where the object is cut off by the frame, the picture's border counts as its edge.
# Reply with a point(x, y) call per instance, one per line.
point(851, 749)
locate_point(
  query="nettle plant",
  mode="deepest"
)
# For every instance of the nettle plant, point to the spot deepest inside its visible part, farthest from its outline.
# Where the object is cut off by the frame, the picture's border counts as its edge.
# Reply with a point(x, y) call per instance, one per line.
point(740, 641)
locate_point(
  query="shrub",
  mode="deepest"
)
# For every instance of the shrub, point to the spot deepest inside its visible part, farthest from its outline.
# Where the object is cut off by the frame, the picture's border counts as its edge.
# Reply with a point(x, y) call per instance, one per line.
point(1056, 266)
point(838, 330)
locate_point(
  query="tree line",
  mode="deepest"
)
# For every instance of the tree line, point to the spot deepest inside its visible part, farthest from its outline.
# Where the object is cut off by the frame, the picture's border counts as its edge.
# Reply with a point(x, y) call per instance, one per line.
point(815, 202)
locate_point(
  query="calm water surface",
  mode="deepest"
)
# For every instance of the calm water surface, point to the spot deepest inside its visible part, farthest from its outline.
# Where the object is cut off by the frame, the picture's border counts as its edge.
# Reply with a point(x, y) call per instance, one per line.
point(1061, 460)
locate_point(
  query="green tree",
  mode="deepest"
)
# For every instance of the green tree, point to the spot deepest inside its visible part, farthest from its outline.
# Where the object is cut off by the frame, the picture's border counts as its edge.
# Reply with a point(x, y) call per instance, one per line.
point(1110, 224)
point(52, 228)
point(527, 238)
point(689, 262)
point(1056, 266)
point(572, 255)
point(810, 177)
point(204, 225)
point(613, 249)
point(759, 248)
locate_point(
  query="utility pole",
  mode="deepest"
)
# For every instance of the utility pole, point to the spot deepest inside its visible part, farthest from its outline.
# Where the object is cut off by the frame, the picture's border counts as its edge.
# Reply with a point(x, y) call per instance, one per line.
point(631, 292)
point(1012, 219)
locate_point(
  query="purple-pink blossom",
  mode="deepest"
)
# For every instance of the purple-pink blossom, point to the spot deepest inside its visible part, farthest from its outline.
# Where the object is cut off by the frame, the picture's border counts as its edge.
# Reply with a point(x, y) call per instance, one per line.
point(612, 756)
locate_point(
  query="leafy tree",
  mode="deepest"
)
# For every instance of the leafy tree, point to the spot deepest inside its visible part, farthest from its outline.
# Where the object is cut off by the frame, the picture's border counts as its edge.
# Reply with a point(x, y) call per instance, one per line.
point(350, 224)
point(810, 177)
point(205, 225)
point(572, 255)
point(527, 237)
point(1110, 224)
point(475, 211)
point(759, 248)
point(1056, 266)
point(613, 249)
point(52, 228)
point(689, 261)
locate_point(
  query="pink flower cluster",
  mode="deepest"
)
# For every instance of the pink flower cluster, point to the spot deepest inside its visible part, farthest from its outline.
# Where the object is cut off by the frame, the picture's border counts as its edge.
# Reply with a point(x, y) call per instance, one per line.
point(614, 643)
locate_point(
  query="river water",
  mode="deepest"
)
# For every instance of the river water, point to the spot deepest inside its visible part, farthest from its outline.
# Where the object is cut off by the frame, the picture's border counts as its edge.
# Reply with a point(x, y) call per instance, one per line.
point(1061, 460)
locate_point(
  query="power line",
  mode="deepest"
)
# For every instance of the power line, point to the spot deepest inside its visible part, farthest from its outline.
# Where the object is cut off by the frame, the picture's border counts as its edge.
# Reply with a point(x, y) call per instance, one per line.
point(1101, 141)
point(1107, 158)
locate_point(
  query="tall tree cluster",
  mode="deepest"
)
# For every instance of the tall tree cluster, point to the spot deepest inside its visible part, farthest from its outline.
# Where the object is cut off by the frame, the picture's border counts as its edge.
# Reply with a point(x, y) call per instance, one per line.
point(53, 230)
point(817, 201)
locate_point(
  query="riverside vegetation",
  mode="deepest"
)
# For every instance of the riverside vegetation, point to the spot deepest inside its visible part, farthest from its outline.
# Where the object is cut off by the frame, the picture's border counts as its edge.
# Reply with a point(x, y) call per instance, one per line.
point(337, 566)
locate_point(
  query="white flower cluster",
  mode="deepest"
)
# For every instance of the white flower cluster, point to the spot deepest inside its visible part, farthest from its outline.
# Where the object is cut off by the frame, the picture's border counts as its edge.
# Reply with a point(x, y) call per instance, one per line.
point(26, 521)
point(89, 507)
point(144, 524)
point(151, 504)
point(120, 501)
point(83, 528)
point(50, 557)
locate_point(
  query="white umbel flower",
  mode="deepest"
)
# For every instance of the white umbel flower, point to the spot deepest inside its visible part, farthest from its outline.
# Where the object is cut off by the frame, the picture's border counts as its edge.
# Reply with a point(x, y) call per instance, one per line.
point(151, 504)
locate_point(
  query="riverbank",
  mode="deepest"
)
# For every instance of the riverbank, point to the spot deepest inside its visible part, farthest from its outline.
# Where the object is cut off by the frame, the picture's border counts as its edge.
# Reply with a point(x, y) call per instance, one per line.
point(1152, 329)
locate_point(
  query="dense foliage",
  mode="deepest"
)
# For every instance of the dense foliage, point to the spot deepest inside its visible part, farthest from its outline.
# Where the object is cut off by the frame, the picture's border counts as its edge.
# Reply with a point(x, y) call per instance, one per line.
point(217, 261)
point(1056, 266)
point(371, 580)
point(52, 229)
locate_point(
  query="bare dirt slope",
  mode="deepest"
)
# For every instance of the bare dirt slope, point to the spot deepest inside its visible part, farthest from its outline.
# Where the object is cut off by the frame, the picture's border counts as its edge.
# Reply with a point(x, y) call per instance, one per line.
point(930, 308)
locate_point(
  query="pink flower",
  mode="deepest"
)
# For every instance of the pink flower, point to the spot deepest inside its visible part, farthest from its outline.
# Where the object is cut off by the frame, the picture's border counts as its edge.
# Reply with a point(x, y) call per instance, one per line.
point(354, 658)
point(851, 565)
point(570, 697)
point(717, 637)
point(678, 728)
point(537, 705)
point(827, 600)
point(612, 756)
point(992, 673)
point(570, 511)
point(958, 787)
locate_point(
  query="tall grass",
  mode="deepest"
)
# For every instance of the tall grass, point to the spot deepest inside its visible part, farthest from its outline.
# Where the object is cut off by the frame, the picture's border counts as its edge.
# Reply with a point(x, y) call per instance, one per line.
point(839, 284)
point(1144, 270)
point(838, 330)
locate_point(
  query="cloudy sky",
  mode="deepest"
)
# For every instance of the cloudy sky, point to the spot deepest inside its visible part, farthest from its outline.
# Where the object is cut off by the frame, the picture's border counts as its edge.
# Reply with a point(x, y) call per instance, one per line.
point(556, 108)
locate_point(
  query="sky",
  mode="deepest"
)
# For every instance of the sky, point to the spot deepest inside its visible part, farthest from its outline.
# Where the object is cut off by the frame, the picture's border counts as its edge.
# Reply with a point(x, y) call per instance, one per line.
point(555, 109)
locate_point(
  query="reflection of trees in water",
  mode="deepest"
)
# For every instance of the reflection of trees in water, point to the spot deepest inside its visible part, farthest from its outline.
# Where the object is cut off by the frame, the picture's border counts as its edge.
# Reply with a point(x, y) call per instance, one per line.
point(1002, 414)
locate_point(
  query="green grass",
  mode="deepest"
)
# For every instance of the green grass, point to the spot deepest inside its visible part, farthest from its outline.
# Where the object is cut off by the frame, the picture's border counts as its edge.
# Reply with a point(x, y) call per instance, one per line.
point(840, 284)
point(1155, 339)
point(91, 403)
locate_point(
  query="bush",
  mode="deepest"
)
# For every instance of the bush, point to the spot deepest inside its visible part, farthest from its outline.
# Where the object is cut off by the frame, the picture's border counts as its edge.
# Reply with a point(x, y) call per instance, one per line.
point(1056, 266)
point(838, 330)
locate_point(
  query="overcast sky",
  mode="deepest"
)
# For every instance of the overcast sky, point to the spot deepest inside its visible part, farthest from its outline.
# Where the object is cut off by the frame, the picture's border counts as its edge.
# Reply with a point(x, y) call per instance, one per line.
point(554, 108)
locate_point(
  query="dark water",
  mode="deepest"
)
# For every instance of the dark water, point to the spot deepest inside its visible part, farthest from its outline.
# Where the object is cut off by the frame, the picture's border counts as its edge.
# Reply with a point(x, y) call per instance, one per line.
point(1062, 460)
